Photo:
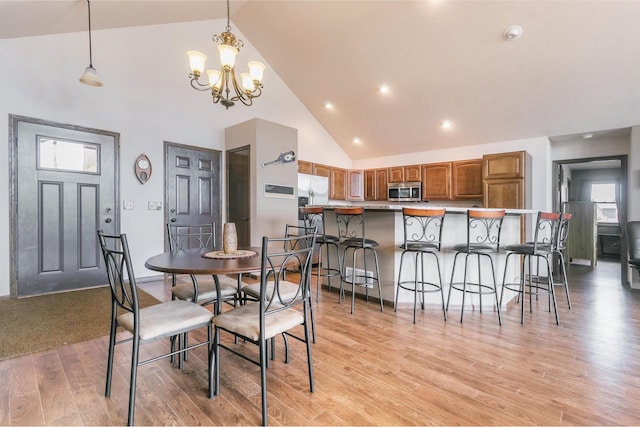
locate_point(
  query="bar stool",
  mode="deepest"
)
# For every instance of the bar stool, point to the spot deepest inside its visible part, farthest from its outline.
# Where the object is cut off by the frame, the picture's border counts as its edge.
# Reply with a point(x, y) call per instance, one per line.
point(314, 216)
point(351, 230)
point(542, 247)
point(422, 235)
point(560, 248)
point(483, 241)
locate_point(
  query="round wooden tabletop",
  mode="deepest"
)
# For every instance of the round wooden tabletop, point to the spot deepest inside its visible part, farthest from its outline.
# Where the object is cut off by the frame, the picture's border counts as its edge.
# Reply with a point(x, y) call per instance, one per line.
point(190, 261)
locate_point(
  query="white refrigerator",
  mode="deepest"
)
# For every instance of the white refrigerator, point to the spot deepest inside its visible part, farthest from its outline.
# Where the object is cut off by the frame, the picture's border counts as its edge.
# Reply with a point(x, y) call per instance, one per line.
point(312, 190)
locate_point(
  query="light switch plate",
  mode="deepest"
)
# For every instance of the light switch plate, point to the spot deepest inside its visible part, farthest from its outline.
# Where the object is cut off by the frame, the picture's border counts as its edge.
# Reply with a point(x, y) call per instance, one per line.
point(155, 206)
point(128, 204)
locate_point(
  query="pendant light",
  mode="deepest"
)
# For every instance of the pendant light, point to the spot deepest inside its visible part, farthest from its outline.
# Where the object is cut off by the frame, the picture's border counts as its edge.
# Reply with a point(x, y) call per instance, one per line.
point(90, 76)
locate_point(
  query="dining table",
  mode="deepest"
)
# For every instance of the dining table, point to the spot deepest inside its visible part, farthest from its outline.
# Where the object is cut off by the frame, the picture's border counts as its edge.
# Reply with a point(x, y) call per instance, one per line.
point(208, 262)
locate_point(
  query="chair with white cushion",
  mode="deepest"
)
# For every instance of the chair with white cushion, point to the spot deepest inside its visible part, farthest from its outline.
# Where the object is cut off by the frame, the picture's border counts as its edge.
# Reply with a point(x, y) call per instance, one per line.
point(147, 324)
point(277, 311)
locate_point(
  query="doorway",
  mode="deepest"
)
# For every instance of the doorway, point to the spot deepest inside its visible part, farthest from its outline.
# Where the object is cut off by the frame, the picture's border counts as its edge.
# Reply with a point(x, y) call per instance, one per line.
point(574, 180)
point(192, 187)
point(239, 192)
point(64, 185)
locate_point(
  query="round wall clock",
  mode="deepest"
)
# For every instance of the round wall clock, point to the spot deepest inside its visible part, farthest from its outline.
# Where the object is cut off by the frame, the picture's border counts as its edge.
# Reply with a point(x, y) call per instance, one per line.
point(143, 168)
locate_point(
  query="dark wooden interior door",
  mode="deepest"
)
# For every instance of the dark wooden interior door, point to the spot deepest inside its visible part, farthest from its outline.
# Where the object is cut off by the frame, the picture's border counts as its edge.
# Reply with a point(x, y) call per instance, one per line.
point(192, 187)
point(238, 192)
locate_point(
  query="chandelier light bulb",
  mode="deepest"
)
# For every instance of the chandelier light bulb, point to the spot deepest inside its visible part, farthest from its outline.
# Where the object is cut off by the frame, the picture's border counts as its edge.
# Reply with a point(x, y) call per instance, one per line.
point(247, 82)
point(214, 79)
point(196, 62)
point(227, 55)
point(256, 69)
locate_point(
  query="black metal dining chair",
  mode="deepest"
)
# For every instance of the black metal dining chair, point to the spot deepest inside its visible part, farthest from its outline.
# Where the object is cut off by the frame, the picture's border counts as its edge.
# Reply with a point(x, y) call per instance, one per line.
point(276, 312)
point(163, 320)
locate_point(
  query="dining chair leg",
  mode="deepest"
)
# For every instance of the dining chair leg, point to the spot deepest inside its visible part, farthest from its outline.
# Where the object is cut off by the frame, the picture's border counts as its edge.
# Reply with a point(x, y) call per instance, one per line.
point(309, 359)
point(112, 344)
point(263, 379)
point(132, 384)
point(214, 361)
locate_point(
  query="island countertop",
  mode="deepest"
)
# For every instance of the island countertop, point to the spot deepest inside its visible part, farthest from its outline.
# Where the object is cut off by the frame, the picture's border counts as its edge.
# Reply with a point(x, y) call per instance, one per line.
point(453, 209)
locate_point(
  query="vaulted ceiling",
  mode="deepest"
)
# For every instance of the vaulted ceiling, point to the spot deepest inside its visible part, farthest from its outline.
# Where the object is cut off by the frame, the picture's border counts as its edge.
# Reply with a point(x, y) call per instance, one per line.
point(575, 69)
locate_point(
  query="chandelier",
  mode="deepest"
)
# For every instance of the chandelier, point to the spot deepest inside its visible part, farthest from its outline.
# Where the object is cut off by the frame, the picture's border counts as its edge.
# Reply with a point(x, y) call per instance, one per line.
point(223, 83)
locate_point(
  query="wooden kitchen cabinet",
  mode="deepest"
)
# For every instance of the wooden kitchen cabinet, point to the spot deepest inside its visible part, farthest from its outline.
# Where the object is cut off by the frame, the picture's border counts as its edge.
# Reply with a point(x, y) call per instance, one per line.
point(504, 165)
point(355, 184)
point(321, 170)
point(381, 184)
point(305, 167)
point(467, 179)
point(412, 173)
point(338, 184)
point(436, 181)
point(504, 193)
point(395, 174)
point(370, 184)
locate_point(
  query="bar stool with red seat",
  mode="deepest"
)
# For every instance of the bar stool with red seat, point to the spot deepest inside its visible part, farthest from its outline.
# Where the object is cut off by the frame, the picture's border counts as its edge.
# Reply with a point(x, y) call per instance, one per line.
point(351, 230)
point(483, 242)
point(541, 248)
point(422, 236)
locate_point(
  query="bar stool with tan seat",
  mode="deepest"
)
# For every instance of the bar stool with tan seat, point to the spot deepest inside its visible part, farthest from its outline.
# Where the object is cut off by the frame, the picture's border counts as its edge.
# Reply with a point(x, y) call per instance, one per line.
point(422, 236)
point(483, 242)
point(541, 248)
point(351, 230)
point(314, 216)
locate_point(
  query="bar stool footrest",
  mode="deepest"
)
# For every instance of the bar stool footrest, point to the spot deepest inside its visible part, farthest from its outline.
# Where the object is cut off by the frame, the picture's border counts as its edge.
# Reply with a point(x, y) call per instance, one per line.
point(481, 289)
point(433, 287)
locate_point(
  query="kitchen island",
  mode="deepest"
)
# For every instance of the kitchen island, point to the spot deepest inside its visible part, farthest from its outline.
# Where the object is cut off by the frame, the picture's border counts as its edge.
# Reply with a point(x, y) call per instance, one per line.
point(384, 224)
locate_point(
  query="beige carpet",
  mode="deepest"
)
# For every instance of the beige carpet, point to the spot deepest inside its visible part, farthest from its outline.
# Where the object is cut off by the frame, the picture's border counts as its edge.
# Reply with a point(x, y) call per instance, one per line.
point(40, 323)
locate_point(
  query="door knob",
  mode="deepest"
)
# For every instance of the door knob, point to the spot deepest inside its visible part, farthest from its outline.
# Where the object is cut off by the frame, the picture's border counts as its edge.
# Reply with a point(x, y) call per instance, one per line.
point(108, 220)
point(172, 220)
point(245, 218)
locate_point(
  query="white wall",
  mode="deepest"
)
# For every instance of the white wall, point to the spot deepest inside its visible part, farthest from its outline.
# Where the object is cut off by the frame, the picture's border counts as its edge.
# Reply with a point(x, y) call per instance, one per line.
point(147, 99)
point(539, 148)
point(634, 175)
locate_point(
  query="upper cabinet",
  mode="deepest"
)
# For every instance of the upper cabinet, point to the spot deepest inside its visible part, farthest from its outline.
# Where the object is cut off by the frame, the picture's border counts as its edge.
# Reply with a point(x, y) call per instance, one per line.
point(355, 184)
point(338, 184)
point(436, 181)
point(321, 170)
point(370, 184)
point(395, 174)
point(505, 165)
point(467, 179)
point(404, 173)
point(381, 184)
point(412, 173)
point(304, 167)
point(375, 184)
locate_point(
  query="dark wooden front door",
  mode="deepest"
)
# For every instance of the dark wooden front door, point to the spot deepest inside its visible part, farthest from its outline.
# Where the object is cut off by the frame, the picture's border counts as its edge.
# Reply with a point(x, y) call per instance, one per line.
point(192, 186)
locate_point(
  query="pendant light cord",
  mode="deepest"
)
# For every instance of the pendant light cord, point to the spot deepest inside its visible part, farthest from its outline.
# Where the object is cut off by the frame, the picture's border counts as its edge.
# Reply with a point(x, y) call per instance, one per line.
point(90, 53)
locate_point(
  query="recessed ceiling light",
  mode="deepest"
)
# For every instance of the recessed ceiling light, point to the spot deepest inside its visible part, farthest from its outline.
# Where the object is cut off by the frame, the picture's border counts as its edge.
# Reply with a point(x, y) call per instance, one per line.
point(356, 140)
point(512, 33)
point(328, 105)
point(587, 135)
point(446, 124)
point(384, 88)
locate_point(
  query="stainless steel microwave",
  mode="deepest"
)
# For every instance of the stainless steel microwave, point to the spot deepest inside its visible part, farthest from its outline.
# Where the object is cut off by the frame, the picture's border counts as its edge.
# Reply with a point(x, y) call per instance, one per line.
point(404, 192)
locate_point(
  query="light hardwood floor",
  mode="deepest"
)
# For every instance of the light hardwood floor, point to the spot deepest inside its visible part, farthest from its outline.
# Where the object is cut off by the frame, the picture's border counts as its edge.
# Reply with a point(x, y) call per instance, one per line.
point(372, 368)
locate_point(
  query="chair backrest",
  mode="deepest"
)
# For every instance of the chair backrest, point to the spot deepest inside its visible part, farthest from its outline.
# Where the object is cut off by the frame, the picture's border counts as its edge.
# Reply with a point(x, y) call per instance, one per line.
point(296, 231)
point(313, 216)
point(563, 232)
point(484, 229)
point(196, 236)
point(546, 230)
point(350, 221)
point(297, 253)
point(124, 292)
point(633, 230)
point(423, 227)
